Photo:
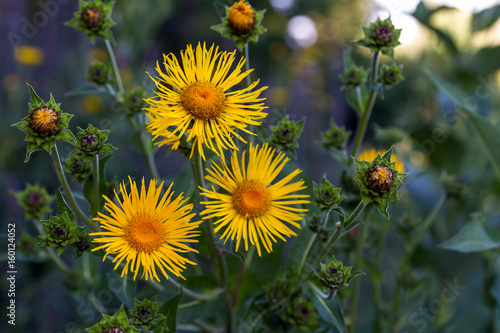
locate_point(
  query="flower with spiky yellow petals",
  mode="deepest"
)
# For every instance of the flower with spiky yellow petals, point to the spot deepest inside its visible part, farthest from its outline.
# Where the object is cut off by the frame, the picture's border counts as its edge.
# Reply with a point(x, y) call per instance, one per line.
point(196, 96)
point(254, 209)
point(370, 154)
point(146, 230)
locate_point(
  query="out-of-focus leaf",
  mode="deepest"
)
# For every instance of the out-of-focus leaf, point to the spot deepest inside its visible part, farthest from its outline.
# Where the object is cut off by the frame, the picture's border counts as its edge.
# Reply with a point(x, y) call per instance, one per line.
point(330, 311)
point(484, 61)
point(169, 310)
point(485, 18)
point(423, 15)
point(474, 237)
point(486, 131)
point(62, 206)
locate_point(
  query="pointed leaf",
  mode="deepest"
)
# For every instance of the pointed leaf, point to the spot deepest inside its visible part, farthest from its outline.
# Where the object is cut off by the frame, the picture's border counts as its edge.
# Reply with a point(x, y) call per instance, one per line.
point(485, 18)
point(474, 237)
point(34, 98)
point(330, 311)
point(62, 206)
point(169, 310)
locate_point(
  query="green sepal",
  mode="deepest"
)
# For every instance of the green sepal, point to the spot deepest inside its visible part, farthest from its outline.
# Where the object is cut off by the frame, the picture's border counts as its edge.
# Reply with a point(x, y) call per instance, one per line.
point(35, 100)
point(145, 314)
point(31, 148)
point(119, 320)
point(62, 206)
point(93, 33)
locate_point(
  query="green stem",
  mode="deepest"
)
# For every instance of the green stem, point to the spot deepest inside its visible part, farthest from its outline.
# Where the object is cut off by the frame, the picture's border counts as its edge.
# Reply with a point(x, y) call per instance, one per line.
point(247, 64)
point(357, 282)
point(112, 58)
point(337, 234)
point(149, 158)
point(409, 252)
point(359, 99)
point(312, 244)
point(218, 260)
point(95, 165)
point(69, 195)
point(363, 124)
point(205, 327)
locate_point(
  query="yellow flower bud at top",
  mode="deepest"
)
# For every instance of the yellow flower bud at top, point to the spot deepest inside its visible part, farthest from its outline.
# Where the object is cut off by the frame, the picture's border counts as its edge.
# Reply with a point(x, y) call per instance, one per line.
point(241, 17)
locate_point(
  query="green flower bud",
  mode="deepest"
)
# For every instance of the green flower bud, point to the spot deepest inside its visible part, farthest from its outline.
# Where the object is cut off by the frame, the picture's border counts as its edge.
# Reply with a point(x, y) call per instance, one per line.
point(134, 101)
point(285, 135)
point(390, 75)
point(323, 235)
point(335, 276)
point(59, 232)
point(26, 244)
point(301, 312)
point(315, 224)
point(335, 137)
point(278, 291)
point(117, 323)
point(100, 74)
point(77, 166)
point(353, 77)
point(94, 18)
point(242, 24)
point(146, 314)
point(381, 36)
point(83, 242)
point(34, 200)
point(454, 186)
point(326, 196)
point(91, 141)
point(378, 180)
point(44, 125)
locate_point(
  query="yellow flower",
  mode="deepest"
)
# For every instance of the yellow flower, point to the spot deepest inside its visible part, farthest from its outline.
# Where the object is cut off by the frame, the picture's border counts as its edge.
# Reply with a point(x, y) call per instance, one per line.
point(253, 208)
point(241, 17)
point(147, 231)
point(29, 55)
point(196, 96)
point(369, 155)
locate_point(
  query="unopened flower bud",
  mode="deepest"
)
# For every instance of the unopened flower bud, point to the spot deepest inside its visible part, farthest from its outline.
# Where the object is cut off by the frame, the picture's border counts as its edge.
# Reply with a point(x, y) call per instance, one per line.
point(241, 17)
point(92, 17)
point(99, 73)
point(134, 101)
point(113, 329)
point(44, 121)
point(391, 75)
point(353, 77)
point(77, 166)
point(34, 200)
point(326, 196)
point(379, 178)
point(335, 137)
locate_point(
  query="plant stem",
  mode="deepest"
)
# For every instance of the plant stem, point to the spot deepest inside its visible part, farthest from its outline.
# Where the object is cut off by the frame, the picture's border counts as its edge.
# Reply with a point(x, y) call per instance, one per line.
point(149, 158)
point(337, 233)
point(112, 58)
point(247, 64)
point(363, 124)
point(69, 195)
point(409, 252)
point(95, 165)
point(218, 260)
point(357, 282)
point(312, 243)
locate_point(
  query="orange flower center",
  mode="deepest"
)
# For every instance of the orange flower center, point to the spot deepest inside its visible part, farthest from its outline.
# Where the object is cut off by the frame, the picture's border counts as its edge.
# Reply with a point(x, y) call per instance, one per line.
point(44, 121)
point(241, 17)
point(204, 101)
point(251, 200)
point(144, 233)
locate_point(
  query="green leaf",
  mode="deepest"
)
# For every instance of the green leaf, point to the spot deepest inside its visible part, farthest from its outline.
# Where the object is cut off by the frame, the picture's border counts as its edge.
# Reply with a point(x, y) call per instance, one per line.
point(474, 237)
point(330, 311)
point(485, 18)
point(482, 62)
point(34, 98)
point(31, 148)
point(485, 130)
point(169, 310)
point(62, 206)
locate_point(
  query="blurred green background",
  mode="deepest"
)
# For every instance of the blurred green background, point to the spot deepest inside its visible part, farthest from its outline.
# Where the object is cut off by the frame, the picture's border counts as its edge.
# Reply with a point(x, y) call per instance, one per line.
point(299, 58)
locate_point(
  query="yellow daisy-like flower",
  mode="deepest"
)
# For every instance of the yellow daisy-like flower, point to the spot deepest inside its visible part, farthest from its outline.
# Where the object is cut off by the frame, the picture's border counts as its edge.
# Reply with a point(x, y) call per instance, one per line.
point(196, 96)
point(147, 231)
point(253, 208)
point(369, 155)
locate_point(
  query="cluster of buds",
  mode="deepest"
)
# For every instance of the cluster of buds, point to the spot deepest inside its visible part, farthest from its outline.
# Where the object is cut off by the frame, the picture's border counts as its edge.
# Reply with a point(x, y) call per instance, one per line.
point(145, 314)
point(390, 75)
point(326, 196)
point(83, 242)
point(94, 18)
point(134, 101)
point(44, 125)
point(242, 24)
point(117, 323)
point(335, 276)
point(335, 137)
point(34, 200)
point(78, 167)
point(353, 77)
point(59, 232)
point(382, 36)
point(100, 73)
point(379, 180)
point(301, 312)
point(285, 135)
